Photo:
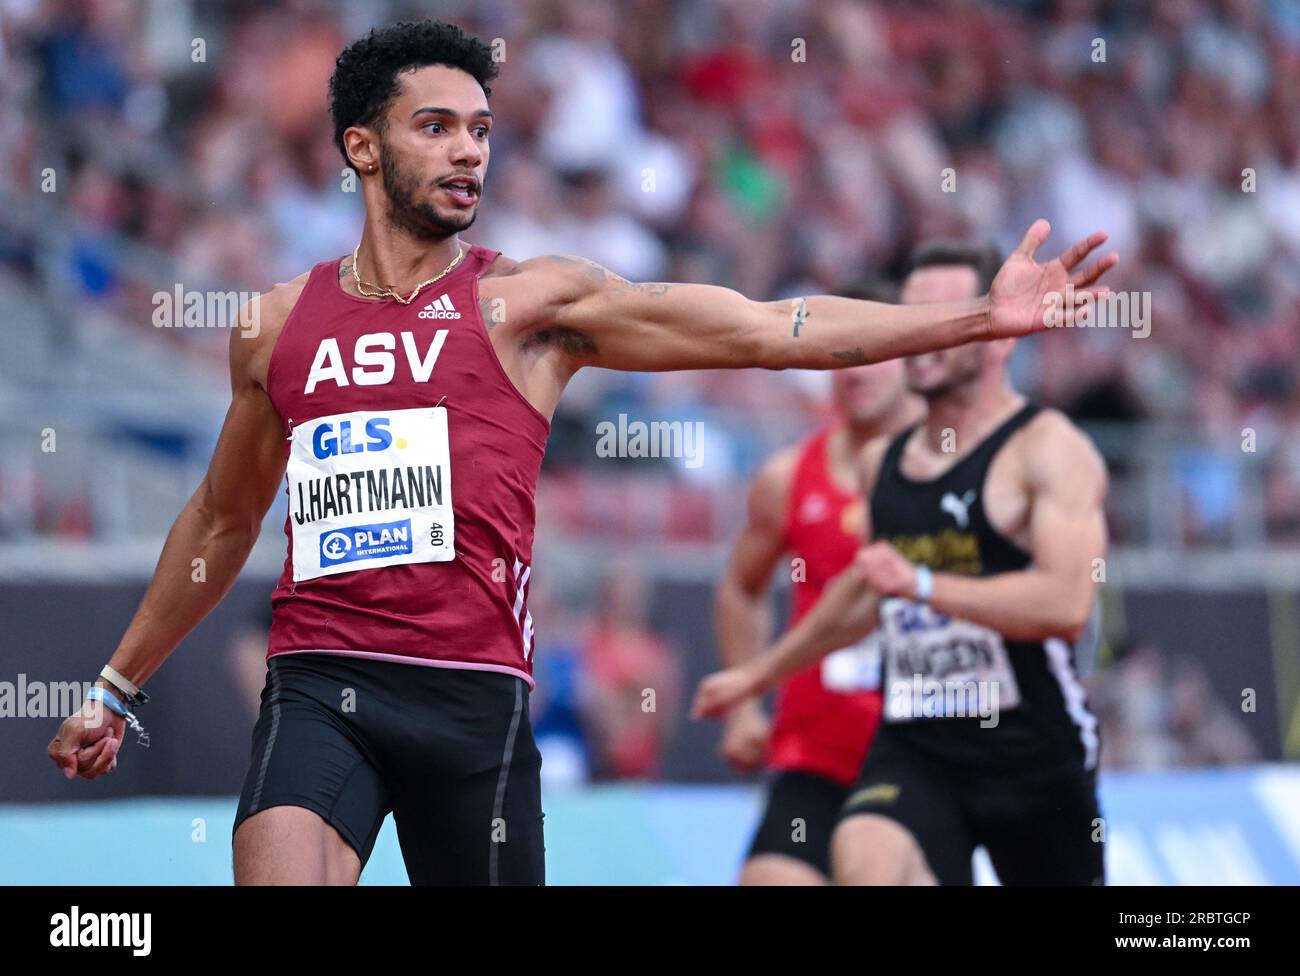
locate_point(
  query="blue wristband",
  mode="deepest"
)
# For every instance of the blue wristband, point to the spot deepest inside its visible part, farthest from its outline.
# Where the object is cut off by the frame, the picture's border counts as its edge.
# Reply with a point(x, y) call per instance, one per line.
point(110, 700)
point(924, 583)
point(114, 704)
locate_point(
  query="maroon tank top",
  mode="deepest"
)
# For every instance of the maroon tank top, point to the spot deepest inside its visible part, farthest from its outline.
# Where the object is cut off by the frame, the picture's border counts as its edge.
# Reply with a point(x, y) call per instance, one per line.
point(412, 465)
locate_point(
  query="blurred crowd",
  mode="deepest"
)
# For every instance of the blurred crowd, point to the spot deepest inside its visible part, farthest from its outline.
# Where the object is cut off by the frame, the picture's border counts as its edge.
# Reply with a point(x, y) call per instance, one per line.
point(777, 146)
point(1160, 711)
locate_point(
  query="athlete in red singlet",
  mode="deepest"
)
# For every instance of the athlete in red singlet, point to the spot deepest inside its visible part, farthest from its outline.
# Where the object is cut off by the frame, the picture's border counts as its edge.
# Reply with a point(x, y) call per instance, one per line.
point(403, 393)
point(805, 505)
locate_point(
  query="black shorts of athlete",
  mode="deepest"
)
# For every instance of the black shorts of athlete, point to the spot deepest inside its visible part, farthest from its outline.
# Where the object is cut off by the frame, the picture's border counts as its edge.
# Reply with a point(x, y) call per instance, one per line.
point(801, 813)
point(450, 752)
point(1042, 828)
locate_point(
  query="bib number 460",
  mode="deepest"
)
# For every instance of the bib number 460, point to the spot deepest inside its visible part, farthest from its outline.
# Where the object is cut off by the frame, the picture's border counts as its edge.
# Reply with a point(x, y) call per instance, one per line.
point(435, 534)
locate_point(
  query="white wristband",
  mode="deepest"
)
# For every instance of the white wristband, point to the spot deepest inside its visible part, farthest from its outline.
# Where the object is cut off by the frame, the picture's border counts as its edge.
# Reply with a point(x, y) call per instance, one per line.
point(116, 678)
point(924, 583)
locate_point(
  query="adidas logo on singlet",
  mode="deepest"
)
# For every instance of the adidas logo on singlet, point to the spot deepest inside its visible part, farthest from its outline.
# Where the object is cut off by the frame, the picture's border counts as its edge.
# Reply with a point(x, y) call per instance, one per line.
point(440, 308)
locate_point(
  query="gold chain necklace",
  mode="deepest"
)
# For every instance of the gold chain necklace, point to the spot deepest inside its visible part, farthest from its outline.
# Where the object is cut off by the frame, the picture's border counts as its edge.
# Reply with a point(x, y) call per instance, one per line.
point(381, 291)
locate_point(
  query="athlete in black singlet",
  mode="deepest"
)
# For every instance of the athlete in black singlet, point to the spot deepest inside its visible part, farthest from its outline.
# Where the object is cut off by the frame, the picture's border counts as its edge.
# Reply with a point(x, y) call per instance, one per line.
point(986, 740)
point(986, 530)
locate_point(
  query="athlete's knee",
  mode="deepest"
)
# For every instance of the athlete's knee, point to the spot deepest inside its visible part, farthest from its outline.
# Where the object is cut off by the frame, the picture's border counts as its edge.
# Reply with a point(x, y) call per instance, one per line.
point(292, 845)
point(867, 849)
point(779, 869)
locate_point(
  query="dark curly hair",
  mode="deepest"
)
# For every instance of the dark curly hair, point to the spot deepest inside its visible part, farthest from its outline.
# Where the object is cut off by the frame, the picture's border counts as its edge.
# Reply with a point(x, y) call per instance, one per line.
point(365, 82)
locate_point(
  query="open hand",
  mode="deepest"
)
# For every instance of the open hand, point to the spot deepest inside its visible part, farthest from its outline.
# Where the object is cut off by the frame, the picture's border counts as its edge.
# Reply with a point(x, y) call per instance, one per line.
point(1025, 296)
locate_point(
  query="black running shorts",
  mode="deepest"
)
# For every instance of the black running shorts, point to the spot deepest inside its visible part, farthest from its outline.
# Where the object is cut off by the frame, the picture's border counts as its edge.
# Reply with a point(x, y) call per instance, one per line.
point(1042, 828)
point(450, 752)
point(802, 811)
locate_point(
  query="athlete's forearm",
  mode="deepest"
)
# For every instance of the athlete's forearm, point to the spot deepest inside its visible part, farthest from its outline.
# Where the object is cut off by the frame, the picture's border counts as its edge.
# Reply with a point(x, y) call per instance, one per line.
point(742, 622)
point(1030, 605)
point(200, 560)
point(846, 613)
point(827, 332)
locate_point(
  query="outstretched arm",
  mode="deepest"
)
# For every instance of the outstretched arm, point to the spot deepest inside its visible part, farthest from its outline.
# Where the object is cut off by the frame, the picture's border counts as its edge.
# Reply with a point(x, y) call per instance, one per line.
point(600, 319)
point(845, 614)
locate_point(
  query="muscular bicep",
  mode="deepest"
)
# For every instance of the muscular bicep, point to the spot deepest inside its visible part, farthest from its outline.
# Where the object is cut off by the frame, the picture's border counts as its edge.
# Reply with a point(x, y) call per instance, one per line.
point(249, 459)
point(601, 319)
point(1068, 522)
point(762, 543)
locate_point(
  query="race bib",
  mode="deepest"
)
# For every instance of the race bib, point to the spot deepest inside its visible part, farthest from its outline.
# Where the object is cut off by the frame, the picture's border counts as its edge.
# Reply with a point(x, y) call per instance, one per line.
point(368, 489)
point(856, 667)
point(937, 666)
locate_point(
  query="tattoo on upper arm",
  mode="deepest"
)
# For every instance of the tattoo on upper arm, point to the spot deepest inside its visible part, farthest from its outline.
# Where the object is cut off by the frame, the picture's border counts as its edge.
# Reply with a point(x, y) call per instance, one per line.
point(609, 282)
point(856, 356)
point(801, 315)
point(604, 284)
point(485, 311)
point(654, 288)
point(594, 273)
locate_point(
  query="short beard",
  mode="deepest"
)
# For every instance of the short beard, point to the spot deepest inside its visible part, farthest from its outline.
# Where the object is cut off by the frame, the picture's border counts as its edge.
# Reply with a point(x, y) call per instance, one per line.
point(965, 379)
point(410, 215)
point(939, 391)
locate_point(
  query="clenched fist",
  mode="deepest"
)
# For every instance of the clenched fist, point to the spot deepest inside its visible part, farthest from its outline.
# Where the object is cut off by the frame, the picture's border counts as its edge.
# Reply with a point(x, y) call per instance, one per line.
point(747, 735)
point(886, 570)
point(724, 690)
point(86, 744)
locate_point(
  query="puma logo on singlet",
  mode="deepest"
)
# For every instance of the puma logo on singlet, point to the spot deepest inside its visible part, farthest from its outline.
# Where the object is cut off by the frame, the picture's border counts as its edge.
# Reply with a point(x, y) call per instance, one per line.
point(958, 508)
point(375, 362)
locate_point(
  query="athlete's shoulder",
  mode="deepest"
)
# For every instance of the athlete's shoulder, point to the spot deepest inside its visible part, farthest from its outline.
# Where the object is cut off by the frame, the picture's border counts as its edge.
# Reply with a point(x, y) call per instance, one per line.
point(260, 322)
point(777, 471)
point(542, 280)
point(1049, 427)
point(501, 266)
point(566, 273)
point(770, 488)
point(1054, 445)
point(276, 304)
point(537, 290)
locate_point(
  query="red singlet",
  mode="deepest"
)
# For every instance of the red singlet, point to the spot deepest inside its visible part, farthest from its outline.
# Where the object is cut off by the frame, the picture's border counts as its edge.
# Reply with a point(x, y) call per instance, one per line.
point(390, 411)
point(818, 730)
